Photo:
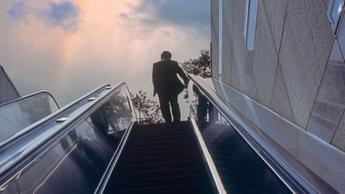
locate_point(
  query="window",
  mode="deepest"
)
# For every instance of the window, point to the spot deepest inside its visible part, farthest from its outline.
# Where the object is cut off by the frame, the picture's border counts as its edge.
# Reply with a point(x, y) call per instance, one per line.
point(335, 7)
point(250, 23)
point(220, 39)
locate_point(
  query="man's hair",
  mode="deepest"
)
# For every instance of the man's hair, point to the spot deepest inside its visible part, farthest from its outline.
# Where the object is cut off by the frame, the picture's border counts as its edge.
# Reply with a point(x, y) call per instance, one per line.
point(166, 55)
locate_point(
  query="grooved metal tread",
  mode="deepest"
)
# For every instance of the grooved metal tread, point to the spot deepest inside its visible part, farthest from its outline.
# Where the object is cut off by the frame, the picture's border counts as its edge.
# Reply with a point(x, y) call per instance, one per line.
point(161, 159)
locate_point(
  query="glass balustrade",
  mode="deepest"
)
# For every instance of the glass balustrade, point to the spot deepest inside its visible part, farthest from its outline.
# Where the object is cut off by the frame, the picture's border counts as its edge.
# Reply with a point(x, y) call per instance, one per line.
point(18, 114)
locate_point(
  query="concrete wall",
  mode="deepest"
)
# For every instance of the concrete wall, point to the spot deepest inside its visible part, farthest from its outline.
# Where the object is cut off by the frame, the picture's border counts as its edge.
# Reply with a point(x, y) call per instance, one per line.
point(7, 90)
point(296, 68)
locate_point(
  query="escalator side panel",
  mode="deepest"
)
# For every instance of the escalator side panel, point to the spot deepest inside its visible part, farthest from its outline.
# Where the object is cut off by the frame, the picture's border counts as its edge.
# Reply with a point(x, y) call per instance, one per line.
point(9, 188)
point(69, 157)
point(240, 168)
point(74, 165)
point(21, 113)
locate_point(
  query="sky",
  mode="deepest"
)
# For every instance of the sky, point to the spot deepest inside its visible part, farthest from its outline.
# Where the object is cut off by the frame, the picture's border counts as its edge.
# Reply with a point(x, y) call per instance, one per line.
point(71, 47)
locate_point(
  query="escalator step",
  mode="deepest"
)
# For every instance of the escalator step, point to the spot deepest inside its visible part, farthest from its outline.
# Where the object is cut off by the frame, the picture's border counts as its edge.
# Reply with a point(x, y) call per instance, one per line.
point(166, 172)
point(162, 152)
point(161, 138)
point(180, 189)
point(179, 157)
point(161, 165)
point(161, 145)
point(161, 159)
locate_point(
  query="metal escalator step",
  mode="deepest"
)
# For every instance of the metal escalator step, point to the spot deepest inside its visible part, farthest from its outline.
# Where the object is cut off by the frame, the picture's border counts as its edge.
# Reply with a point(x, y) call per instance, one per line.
point(164, 135)
point(176, 189)
point(164, 171)
point(160, 159)
point(173, 168)
point(182, 156)
point(159, 137)
point(161, 152)
point(162, 130)
point(161, 144)
point(171, 150)
point(189, 179)
point(161, 165)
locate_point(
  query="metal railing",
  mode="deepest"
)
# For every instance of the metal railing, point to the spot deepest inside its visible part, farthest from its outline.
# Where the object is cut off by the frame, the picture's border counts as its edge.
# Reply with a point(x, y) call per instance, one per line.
point(18, 114)
point(29, 96)
point(69, 108)
point(17, 153)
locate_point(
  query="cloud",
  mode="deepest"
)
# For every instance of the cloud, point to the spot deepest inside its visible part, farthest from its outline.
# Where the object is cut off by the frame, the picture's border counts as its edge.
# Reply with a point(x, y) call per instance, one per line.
point(153, 15)
point(191, 13)
point(114, 41)
point(64, 14)
point(17, 10)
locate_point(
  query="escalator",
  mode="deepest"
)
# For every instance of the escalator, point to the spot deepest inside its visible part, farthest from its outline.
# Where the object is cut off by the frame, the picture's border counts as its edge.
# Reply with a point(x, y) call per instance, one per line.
point(95, 145)
point(69, 150)
point(161, 159)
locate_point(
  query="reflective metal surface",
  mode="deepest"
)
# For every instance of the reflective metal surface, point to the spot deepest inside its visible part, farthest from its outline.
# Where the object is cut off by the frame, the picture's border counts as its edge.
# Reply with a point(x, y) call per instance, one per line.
point(207, 156)
point(68, 157)
point(307, 160)
point(20, 113)
point(241, 170)
point(113, 162)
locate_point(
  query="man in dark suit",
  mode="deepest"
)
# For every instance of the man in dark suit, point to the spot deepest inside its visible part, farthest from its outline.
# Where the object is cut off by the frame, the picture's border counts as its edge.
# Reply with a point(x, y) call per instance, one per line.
point(168, 86)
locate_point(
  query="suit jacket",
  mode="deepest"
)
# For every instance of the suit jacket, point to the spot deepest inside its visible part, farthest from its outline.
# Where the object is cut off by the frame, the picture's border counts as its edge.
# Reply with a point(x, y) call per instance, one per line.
point(164, 77)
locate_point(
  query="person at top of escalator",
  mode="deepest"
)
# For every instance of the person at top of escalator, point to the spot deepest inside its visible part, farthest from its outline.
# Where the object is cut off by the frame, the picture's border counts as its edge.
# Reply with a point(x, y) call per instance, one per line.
point(168, 86)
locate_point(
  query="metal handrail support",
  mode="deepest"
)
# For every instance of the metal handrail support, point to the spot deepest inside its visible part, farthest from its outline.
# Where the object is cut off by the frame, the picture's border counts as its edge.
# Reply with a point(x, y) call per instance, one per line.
point(10, 156)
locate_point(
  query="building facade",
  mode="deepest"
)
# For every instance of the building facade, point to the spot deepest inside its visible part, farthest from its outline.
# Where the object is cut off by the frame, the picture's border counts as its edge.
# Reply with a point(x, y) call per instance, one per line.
point(8, 91)
point(287, 55)
point(278, 65)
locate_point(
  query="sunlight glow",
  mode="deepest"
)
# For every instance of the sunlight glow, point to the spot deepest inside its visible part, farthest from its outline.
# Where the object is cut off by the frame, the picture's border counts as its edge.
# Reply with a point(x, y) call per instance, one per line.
point(70, 47)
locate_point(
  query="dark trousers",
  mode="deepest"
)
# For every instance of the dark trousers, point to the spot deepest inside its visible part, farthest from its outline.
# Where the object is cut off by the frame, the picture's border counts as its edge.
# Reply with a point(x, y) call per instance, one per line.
point(166, 100)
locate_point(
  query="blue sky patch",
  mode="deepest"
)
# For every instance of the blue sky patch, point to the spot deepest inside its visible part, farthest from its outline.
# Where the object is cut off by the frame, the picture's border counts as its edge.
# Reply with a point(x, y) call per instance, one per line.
point(17, 10)
point(64, 14)
point(180, 12)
